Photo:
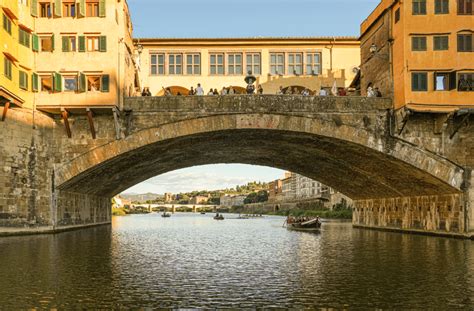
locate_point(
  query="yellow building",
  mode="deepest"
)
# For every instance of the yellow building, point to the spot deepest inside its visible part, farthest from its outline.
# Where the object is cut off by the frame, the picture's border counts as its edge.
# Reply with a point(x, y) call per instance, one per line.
point(310, 63)
point(421, 53)
point(17, 63)
point(85, 55)
point(66, 56)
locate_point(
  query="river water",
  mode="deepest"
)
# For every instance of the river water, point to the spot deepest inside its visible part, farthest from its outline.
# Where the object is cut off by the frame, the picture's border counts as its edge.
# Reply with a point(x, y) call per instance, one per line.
point(193, 261)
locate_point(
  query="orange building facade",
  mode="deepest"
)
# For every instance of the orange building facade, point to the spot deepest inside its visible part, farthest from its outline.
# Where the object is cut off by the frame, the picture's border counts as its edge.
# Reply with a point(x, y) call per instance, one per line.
point(421, 53)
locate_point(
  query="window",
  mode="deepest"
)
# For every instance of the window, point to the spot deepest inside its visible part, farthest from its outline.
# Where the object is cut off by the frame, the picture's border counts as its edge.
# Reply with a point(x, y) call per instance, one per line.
point(254, 63)
point(465, 43)
point(193, 64)
point(34, 82)
point(7, 23)
point(175, 64)
point(441, 81)
point(466, 82)
point(70, 83)
point(7, 68)
point(47, 44)
point(69, 9)
point(234, 64)
point(45, 9)
point(397, 15)
point(92, 9)
point(46, 84)
point(157, 64)
point(418, 43)
point(217, 64)
point(277, 63)
point(441, 6)
point(93, 83)
point(419, 81)
point(465, 7)
point(92, 44)
point(440, 43)
point(419, 7)
point(23, 80)
point(69, 43)
point(24, 37)
point(295, 63)
point(313, 63)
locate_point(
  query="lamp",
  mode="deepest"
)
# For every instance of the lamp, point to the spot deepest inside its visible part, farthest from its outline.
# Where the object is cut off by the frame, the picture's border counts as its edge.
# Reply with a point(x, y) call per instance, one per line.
point(373, 48)
point(250, 79)
point(139, 48)
point(374, 51)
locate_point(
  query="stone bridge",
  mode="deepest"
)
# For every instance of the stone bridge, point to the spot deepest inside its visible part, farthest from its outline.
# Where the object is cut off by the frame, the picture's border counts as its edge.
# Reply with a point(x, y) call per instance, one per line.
point(398, 182)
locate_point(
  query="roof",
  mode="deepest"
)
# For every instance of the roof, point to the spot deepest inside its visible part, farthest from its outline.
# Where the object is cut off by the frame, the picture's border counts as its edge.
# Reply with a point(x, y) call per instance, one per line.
point(248, 40)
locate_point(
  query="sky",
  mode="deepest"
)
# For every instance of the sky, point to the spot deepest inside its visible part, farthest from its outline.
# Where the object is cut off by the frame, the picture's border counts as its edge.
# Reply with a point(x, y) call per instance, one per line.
point(242, 18)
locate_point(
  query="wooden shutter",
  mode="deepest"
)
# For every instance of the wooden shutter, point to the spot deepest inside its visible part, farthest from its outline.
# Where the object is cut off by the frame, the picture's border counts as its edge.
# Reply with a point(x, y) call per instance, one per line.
point(52, 42)
point(23, 80)
point(35, 43)
point(82, 44)
point(103, 43)
point(102, 8)
point(81, 10)
point(460, 43)
point(65, 44)
point(34, 8)
point(57, 82)
point(58, 7)
point(452, 81)
point(104, 83)
point(34, 82)
point(81, 78)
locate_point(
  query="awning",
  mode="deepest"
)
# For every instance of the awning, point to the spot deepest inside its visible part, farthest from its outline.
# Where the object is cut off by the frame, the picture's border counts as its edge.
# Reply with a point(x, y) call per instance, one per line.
point(426, 108)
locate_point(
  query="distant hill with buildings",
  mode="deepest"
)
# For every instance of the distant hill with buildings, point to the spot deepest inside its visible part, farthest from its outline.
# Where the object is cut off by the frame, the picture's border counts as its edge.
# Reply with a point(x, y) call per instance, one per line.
point(143, 197)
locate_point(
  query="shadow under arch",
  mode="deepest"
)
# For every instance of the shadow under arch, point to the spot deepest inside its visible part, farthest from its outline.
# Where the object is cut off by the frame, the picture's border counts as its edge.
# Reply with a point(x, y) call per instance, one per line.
point(354, 165)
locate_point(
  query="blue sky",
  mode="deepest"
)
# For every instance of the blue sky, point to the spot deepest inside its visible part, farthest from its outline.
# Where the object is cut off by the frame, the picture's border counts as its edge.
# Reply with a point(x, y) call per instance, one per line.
point(242, 18)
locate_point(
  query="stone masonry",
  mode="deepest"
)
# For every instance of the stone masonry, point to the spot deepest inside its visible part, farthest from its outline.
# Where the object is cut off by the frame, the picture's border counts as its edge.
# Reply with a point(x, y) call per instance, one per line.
point(413, 181)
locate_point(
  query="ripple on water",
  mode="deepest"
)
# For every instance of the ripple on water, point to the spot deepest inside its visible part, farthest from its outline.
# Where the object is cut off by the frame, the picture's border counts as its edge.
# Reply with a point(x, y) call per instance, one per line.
point(192, 261)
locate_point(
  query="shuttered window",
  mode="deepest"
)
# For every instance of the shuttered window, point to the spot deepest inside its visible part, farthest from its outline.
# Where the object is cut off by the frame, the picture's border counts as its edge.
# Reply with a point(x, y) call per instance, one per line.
point(465, 43)
point(34, 82)
point(7, 68)
point(23, 80)
point(440, 43)
point(441, 6)
point(35, 41)
point(465, 7)
point(104, 85)
point(103, 44)
point(418, 43)
point(419, 81)
point(419, 7)
point(24, 37)
point(34, 8)
point(57, 82)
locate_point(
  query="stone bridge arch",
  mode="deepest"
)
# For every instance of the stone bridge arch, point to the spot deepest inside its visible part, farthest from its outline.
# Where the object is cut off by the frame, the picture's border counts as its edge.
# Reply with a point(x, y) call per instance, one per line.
point(353, 160)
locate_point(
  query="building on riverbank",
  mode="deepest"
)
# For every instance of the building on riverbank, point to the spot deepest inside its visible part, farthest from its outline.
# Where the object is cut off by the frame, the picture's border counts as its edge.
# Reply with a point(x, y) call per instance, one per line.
point(232, 200)
point(421, 53)
point(64, 57)
point(295, 63)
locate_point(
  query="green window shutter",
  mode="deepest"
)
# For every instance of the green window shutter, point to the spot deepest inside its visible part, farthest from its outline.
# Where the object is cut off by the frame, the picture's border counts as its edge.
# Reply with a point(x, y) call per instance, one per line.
point(65, 42)
point(52, 42)
point(23, 80)
point(58, 7)
point(104, 85)
point(103, 44)
point(34, 82)
point(81, 12)
point(102, 8)
point(35, 45)
point(81, 82)
point(57, 82)
point(34, 8)
point(82, 44)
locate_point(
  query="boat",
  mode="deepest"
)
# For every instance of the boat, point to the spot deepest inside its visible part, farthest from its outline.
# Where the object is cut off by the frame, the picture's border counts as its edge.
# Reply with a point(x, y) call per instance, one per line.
point(312, 225)
point(219, 217)
point(203, 213)
point(165, 214)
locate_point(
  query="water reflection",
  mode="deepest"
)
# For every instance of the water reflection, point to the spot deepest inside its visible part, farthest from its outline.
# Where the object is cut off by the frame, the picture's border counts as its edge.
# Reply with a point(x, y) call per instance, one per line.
point(194, 261)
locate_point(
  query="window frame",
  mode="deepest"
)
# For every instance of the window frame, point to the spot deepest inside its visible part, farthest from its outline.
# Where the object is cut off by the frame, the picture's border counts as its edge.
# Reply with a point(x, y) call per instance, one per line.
point(175, 65)
point(24, 37)
point(420, 47)
point(216, 65)
point(464, 5)
point(46, 10)
point(464, 47)
point(23, 77)
point(312, 64)
point(441, 7)
point(250, 66)
point(7, 23)
point(420, 87)
point(41, 86)
point(69, 77)
point(157, 65)
point(440, 46)
point(458, 84)
point(92, 9)
point(274, 66)
point(89, 83)
point(69, 9)
point(46, 37)
point(233, 65)
point(93, 39)
point(8, 68)
point(418, 7)
point(294, 64)
point(193, 65)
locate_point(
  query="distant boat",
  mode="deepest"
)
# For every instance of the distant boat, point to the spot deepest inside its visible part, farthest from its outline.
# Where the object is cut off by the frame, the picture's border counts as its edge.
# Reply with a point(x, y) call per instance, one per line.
point(203, 213)
point(165, 214)
point(219, 217)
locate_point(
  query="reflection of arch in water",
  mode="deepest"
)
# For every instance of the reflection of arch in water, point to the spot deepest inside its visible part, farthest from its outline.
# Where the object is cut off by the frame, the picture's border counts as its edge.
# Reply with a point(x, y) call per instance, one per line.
point(174, 90)
point(299, 89)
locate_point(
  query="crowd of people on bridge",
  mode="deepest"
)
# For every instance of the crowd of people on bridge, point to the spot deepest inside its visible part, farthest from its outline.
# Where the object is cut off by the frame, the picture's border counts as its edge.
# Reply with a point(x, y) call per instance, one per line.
point(250, 89)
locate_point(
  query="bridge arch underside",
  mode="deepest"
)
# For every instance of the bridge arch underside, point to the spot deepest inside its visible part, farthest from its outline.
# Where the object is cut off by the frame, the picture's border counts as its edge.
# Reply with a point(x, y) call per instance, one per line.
point(357, 171)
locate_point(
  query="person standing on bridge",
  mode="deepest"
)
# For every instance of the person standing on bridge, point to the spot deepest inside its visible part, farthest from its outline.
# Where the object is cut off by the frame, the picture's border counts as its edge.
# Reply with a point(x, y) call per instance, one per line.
point(191, 91)
point(199, 90)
